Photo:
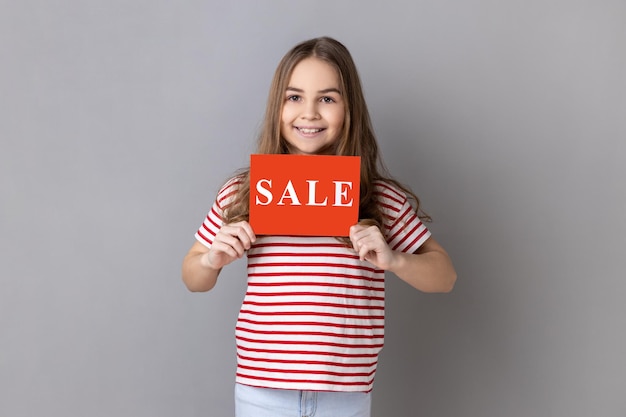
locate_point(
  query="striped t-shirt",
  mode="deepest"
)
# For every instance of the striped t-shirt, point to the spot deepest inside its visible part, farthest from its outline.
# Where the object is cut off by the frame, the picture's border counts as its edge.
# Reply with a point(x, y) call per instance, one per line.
point(313, 314)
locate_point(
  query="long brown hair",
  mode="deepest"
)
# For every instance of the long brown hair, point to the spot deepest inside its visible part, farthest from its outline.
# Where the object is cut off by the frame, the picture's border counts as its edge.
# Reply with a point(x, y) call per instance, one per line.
point(357, 138)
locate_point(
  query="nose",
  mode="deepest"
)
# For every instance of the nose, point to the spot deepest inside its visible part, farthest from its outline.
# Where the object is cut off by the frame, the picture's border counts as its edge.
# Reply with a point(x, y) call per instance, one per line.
point(310, 111)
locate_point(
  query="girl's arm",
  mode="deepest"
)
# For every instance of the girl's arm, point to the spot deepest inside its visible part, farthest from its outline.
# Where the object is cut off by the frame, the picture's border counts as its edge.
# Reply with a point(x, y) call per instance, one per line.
point(202, 265)
point(429, 269)
point(198, 274)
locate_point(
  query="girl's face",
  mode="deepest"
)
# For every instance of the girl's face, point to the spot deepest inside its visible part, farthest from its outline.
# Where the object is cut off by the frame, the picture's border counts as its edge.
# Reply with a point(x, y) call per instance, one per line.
point(313, 109)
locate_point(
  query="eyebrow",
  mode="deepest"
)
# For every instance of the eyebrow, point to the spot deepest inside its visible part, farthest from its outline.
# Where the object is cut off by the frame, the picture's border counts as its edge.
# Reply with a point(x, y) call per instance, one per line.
point(325, 91)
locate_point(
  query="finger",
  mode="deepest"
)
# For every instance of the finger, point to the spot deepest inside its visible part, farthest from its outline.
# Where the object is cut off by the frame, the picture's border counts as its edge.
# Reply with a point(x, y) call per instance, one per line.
point(363, 251)
point(361, 247)
point(226, 241)
point(245, 234)
point(356, 229)
point(234, 250)
point(218, 258)
point(248, 228)
point(356, 244)
point(242, 231)
point(355, 235)
point(359, 231)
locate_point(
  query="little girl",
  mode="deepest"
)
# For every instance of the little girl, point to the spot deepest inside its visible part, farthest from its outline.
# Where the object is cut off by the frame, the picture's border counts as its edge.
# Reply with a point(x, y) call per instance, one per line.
point(311, 324)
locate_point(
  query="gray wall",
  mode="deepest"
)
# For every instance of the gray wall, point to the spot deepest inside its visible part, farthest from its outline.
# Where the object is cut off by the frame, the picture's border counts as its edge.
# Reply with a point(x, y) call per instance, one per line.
point(119, 120)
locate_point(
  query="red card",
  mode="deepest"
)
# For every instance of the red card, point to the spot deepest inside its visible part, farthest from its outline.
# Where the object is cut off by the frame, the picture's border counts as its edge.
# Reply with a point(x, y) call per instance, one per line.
point(312, 195)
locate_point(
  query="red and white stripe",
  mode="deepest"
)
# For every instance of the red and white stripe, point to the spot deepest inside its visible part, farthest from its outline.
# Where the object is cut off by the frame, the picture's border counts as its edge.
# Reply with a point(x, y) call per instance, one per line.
point(313, 314)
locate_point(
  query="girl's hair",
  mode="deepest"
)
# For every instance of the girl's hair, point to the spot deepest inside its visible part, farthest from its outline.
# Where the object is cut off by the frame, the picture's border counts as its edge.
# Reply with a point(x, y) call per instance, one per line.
point(357, 137)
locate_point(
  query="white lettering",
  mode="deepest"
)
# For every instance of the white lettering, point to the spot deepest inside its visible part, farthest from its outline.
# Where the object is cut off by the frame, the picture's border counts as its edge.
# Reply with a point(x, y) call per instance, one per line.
point(312, 201)
point(341, 193)
point(264, 191)
point(291, 194)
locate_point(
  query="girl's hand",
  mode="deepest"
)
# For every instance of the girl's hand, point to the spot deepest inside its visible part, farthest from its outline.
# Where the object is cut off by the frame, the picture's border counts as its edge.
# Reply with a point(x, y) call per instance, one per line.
point(371, 246)
point(230, 243)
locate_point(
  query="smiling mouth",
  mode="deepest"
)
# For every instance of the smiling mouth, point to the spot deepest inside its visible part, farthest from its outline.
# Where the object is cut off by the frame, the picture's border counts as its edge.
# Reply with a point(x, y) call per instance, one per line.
point(308, 131)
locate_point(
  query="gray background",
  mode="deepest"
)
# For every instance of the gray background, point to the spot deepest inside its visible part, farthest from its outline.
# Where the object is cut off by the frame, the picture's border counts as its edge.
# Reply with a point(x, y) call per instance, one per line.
point(120, 119)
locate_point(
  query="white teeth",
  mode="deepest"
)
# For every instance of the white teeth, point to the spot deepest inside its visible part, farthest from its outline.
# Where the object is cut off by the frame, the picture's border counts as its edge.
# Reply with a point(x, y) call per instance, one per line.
point(309, 131)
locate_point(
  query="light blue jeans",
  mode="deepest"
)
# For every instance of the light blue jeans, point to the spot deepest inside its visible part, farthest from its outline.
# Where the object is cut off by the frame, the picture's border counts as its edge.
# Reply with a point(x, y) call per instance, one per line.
point(267, 402)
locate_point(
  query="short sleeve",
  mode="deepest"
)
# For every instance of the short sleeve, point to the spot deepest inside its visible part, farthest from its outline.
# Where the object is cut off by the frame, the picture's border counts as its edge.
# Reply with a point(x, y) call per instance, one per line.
point(214, 220)
point(403, 229)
